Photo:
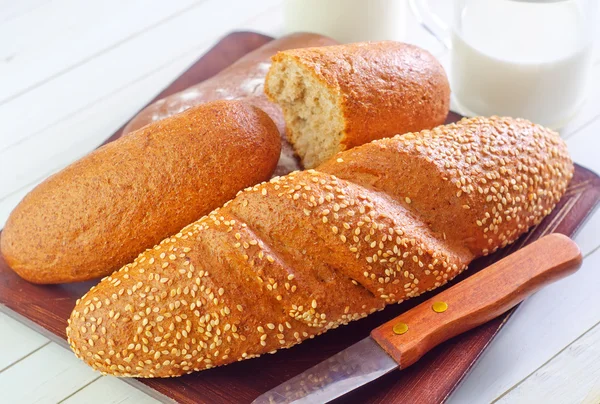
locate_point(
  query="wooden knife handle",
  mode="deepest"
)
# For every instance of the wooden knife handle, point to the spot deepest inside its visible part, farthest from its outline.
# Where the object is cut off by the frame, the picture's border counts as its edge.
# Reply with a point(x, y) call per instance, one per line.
point(478, 299)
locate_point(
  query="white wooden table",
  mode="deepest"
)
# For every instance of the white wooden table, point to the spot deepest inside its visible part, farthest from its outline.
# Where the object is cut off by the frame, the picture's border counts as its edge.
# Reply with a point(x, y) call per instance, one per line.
point(72, 72)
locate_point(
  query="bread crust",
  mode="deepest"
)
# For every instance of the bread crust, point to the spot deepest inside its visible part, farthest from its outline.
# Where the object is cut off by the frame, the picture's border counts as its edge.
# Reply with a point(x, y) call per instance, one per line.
point(100, 212)
point(385, 88)
point(292, 258)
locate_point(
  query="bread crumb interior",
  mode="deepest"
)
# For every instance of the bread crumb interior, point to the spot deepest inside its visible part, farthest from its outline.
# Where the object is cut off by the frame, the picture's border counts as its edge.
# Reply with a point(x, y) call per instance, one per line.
point(312, 114)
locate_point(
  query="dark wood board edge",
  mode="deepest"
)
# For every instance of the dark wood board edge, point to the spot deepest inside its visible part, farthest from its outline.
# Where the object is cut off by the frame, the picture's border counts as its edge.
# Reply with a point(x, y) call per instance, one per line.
point(386, 389)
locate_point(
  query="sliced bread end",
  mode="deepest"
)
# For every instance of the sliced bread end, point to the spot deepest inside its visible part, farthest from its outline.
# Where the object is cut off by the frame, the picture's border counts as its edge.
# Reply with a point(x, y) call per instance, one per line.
point(315, 125)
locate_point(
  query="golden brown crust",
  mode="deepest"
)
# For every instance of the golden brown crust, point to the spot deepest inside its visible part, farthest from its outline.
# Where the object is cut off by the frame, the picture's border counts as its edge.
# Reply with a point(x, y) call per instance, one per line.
point(304, 253)
point(103, 210)
point(242, 80)
point(386, 88)
point(478, 183)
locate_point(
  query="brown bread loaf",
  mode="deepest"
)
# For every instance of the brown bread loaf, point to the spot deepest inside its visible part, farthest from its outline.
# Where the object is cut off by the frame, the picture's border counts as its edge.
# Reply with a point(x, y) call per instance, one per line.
point(338, 97)
point(99, 213)
point(244, 80)
point(289, 259)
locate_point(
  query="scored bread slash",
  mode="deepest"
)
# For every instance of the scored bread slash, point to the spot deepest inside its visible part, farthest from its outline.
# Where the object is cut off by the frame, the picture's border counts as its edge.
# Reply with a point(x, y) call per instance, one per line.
point(337, 97)
point(259, 274)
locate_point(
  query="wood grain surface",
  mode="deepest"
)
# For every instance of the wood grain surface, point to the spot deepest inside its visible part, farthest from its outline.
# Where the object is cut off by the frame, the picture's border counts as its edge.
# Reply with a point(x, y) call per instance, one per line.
point(430, 380)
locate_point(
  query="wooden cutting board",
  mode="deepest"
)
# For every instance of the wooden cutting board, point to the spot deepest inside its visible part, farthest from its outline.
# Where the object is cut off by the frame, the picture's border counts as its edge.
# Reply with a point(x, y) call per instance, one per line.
point(431, 380)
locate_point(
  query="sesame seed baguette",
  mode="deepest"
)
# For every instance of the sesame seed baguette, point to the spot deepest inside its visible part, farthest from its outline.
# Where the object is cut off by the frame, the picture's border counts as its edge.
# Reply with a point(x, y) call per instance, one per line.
point(304, 253)
point(338, 97)
point(100, 212)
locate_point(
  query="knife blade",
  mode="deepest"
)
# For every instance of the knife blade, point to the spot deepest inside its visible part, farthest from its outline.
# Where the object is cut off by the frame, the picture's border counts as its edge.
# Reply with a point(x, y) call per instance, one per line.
point(402, 341)
point(344, 371)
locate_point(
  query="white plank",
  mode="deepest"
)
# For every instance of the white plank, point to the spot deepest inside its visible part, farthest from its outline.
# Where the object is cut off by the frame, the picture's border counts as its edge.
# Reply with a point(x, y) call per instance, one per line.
point(594, 396)
point(110, 390)
point(585, 145)
point(8, 204)
point(544, 324)
point(17, 341)
point(46, 376)
point(570, 377)
point(588, 237)
point(53, 38)
point(10, 9)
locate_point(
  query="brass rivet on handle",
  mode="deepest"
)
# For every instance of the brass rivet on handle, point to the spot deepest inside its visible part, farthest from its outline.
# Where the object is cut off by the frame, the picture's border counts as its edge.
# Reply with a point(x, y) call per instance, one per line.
point(440, 307)
point(400, 328)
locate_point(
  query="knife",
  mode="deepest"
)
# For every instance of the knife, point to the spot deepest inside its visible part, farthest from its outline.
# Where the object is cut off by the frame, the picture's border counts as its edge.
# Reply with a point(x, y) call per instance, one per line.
point(404, 340)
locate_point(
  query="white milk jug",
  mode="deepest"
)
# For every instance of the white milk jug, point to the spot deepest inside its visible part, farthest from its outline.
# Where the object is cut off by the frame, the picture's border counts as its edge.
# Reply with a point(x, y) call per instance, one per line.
point(520, 58)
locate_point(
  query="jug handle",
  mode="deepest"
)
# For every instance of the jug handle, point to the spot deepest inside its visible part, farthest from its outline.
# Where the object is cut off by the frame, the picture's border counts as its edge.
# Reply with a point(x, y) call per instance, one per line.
point(431, 22)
